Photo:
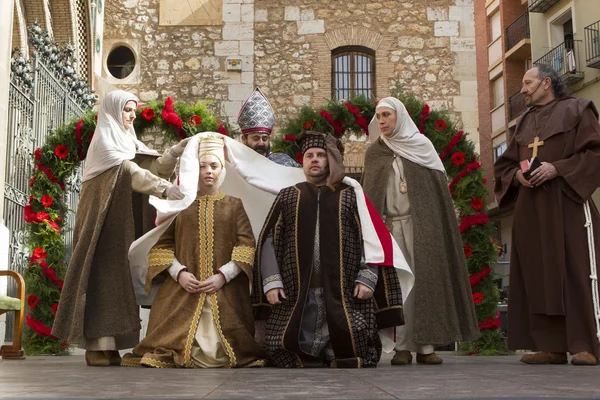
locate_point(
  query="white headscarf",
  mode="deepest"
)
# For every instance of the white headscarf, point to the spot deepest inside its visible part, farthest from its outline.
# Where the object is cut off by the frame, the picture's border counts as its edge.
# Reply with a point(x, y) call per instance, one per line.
point(406, 140)
point(112, 143)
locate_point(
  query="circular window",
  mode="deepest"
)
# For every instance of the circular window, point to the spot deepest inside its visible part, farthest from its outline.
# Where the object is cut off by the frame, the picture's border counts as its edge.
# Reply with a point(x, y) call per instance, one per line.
point(121, 62)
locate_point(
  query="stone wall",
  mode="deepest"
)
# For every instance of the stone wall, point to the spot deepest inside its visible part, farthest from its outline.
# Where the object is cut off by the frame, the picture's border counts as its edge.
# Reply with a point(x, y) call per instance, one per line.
point(285, 49)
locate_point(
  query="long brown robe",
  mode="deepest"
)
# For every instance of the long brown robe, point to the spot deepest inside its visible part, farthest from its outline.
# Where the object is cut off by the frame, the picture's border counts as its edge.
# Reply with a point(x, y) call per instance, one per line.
point(207, 235)
point(97, 299)
point(353, 323)
point(97, 305)
point(550, 300)
point(443, 306)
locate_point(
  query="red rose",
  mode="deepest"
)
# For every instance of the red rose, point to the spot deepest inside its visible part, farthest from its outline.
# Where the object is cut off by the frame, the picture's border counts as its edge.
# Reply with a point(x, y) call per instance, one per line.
point(54, 225)
point(476, 203)
point(28, 214)
point(148, 114)
point(440, 125)
point(37, 154)
point(289, 138)
point(458, 158)
point(484, 181)
point(195, 120)
point(222, 130)
point(39, 253)
point(308, 125)
point(300, 157)
point(61, 151)
point(96, 117)
point(41, 216)
point(33, 301)
point(478, 297)
point(31, 181)
point(46, 200)
point(468, 250)
point(54, 308)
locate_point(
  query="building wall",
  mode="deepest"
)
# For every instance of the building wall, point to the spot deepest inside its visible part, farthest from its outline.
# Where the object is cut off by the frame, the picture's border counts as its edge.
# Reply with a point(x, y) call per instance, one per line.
point(285, 48)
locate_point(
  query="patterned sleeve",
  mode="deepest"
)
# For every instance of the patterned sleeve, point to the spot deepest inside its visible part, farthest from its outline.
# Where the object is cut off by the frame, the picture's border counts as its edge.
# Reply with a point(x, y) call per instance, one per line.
point(161, 256)
point(258, 298)
point(243, 252)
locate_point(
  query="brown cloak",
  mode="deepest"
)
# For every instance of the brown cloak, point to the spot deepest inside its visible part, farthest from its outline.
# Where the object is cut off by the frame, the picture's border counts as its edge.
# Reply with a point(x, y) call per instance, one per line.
point(353, 323)
point(97, 299)
point(550, 306)
point(207, 235)
point(443, 302)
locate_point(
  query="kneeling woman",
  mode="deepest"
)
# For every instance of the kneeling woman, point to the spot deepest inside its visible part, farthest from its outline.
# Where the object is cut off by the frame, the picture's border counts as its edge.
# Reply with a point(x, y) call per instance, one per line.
point(202, 315)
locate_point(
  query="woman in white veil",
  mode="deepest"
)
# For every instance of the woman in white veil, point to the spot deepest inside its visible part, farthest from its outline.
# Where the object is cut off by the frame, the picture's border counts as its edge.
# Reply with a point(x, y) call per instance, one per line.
point(97, 309)
point(406, 181)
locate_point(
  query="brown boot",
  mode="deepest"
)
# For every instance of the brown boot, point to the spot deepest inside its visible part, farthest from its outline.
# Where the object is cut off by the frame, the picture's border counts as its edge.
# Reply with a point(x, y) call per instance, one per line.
point(584, 358)
point(96, 359)
point(402, 357)
point(544, 357)
point(429, 359)
point(113, 356)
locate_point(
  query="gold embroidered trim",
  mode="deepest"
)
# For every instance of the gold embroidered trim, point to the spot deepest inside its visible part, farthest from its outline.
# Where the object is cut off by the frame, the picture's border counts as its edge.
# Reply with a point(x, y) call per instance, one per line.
point(155, 363)
point(342, 286)
point(388, 308)
point(297, 274)
point(161, 257)
point(130, 363)
point(187, 352)
point(215, 310)
point(243, 254)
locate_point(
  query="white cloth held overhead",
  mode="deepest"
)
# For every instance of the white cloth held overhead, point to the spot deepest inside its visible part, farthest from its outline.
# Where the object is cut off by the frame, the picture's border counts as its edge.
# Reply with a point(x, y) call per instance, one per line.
point(406, 141)
point(256, 181)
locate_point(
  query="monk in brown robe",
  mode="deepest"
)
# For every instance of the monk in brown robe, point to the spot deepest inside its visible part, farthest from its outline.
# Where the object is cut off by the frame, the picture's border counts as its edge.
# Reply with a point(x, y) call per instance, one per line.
point(551, 308)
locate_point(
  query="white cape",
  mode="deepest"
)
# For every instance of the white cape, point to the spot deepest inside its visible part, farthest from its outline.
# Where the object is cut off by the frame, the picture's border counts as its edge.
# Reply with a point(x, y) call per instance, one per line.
point(256, 181)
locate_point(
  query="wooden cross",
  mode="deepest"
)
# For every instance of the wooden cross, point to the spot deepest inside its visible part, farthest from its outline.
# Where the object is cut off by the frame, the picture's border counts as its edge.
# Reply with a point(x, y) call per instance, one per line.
point(536, 143)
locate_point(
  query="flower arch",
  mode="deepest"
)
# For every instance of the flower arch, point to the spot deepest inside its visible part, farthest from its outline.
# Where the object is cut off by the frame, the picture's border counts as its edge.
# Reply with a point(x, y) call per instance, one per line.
point(67, 146)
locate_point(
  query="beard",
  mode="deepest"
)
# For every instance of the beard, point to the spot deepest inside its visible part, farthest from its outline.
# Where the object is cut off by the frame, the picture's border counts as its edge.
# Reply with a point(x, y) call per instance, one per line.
point(262, 150)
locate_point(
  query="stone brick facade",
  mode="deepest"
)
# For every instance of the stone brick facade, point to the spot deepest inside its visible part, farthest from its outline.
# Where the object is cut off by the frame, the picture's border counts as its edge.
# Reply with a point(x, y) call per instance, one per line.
point(285, 46)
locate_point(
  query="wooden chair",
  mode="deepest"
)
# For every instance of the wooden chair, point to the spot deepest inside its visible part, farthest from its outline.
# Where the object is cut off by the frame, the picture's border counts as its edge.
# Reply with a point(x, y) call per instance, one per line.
point(14, 351)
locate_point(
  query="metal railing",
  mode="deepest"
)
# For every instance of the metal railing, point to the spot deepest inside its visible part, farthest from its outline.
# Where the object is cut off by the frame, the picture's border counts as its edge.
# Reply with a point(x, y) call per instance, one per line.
point(33, 113)
point(592, 45)
point(565, 59)
point(517, 31)
point(541, 6)
point(516, 105)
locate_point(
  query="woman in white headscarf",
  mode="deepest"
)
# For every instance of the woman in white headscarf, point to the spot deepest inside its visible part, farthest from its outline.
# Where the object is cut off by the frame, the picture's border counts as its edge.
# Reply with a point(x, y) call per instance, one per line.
point(98, 311)
point(406, 181)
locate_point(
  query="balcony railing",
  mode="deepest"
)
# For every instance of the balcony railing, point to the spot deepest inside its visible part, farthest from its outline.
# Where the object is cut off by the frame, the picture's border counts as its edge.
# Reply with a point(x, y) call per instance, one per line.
point(565, 59)
point(516, 106)
point(592, 45)
point(517, 31)
point(541, 6)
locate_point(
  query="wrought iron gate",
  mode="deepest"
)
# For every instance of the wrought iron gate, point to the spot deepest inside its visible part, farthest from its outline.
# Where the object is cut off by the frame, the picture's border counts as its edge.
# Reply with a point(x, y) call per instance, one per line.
point(38, 103)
